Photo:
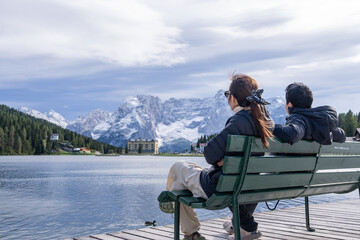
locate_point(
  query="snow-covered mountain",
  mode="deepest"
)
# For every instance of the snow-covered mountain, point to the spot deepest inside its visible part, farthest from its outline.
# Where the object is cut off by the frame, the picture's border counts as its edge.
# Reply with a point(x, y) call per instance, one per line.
point(175, 123)
point(51, 116)
point(93, 125)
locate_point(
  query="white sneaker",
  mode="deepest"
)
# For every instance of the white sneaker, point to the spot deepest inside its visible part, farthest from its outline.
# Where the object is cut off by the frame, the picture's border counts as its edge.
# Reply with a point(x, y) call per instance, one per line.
point(228, 226)
point(246, 235)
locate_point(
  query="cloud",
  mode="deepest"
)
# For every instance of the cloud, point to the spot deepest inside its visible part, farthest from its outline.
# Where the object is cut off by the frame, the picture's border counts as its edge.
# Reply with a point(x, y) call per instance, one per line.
point(124, 33)
point(95, 53)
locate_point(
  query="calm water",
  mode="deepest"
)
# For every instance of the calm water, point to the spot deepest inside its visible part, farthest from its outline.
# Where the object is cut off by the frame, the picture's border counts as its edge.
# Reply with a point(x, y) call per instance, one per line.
point(57, 197)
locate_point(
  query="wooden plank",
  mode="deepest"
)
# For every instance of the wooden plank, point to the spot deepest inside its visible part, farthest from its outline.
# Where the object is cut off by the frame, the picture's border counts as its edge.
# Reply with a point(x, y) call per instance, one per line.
point(266, 164)
point(128, 236)
point(276, 146)
point(147, 235)
point(227, 183)
point(317, 190)
point(106, 237)
point(338, 162)
point(233, 164)
point(341, 148)
point(158, 232)
point(235, 143)
point(85, 238)
point(279, 164)
point(273, 181)
point(338, 177)
point(216, 201)
point(260, 196)
point(299, 221)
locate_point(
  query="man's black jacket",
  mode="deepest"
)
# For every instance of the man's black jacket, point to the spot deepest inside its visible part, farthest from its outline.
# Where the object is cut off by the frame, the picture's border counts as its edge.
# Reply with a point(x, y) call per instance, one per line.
point(319, 124)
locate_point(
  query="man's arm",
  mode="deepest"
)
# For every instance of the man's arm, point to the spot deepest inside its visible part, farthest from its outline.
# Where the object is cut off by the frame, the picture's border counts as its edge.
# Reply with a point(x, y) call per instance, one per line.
point(339, 135)
point(292, 132)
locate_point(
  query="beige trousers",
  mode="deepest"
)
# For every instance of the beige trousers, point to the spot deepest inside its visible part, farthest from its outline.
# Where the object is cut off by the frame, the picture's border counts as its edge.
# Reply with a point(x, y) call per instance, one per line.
point(186, 176)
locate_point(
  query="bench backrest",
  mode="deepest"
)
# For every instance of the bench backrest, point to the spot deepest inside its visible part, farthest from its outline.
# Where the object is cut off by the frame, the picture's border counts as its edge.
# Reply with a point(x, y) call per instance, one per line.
point(285, 171)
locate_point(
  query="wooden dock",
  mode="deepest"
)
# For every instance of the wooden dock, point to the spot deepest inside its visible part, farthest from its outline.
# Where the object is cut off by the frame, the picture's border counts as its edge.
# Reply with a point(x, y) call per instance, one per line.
point(336, 220)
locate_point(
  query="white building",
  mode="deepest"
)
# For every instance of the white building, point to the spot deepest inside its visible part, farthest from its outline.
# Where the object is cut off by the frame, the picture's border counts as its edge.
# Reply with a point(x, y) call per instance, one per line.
point(54, 137)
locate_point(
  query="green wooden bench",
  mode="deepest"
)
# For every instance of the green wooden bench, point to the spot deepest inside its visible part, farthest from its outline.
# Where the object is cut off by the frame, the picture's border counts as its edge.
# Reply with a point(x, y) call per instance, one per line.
point(284, 171)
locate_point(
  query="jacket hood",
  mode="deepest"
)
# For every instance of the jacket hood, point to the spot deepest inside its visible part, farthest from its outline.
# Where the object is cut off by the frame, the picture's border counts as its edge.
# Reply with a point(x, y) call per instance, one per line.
point(322, 115)
point(321, 120)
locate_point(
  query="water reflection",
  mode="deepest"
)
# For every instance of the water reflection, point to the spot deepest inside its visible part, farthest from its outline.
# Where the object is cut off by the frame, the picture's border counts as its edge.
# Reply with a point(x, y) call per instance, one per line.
point(56, 197)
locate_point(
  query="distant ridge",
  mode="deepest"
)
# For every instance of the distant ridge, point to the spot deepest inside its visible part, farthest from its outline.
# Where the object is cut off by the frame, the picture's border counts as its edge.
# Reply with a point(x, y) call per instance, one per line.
point(174, 123)
point(21, 133)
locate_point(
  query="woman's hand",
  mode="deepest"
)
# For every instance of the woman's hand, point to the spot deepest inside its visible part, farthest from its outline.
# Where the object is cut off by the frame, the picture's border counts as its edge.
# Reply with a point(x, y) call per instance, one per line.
point(221, 162)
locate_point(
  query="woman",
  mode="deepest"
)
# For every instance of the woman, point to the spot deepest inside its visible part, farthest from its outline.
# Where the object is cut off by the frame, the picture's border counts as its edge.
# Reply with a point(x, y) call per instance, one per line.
point(250, 118)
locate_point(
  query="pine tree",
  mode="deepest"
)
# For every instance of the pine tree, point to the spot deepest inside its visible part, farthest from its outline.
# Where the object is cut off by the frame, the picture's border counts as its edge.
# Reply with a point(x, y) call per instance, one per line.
point(18, 145)
point(2, 141)
point(11, 139)
point(349, 124)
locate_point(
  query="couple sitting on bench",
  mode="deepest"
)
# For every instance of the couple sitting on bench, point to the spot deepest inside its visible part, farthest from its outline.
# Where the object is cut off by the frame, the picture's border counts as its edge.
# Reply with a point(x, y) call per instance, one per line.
point(250, 118)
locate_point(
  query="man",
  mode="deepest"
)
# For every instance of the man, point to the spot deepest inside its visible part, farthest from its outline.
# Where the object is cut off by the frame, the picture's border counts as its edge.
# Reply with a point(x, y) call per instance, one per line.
point(319, 124)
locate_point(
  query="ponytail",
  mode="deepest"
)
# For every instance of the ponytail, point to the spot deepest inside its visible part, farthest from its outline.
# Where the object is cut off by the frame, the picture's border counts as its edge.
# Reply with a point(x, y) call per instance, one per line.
point(246, 91)
point(263, 125)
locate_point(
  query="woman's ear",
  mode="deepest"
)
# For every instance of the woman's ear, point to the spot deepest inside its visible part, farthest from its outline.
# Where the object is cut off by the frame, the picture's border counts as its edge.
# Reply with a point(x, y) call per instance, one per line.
point(233, 102)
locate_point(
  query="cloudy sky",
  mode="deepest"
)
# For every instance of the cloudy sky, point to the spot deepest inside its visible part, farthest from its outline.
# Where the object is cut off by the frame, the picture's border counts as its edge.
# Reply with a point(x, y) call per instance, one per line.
point(75, 56)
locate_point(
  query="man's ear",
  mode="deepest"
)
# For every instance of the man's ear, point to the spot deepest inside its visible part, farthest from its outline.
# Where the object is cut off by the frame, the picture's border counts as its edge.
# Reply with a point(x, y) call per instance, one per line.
point(290, 104)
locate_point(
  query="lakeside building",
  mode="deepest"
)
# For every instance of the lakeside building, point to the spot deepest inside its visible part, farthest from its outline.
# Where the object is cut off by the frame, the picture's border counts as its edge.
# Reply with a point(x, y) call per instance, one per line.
point(54, 137)
point(143, 146)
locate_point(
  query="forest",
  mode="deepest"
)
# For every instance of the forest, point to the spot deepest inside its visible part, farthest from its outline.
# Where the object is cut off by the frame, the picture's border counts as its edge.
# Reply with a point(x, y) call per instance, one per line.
point(23, 134)
point(349, 122)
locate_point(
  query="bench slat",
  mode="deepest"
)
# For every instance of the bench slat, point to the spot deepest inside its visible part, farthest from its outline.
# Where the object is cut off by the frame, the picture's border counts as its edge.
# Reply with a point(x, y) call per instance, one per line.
point(190, 200)
point(235, 143)
point(341, 148)
point(273, 181)
point(281, 164)
point(338, 162)
point(269, 195)
point(333, 188)
point(233, 164)
point(338, 177)
point(217, 201)
point(227, 183)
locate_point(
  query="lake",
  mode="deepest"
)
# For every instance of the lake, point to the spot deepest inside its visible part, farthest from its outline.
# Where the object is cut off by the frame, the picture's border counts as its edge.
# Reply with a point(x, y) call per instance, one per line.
point(57, 197)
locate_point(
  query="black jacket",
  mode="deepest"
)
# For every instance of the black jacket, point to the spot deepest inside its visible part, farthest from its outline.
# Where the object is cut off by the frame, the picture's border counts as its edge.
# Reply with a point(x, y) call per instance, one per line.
point(240, 123)
point(319, 124)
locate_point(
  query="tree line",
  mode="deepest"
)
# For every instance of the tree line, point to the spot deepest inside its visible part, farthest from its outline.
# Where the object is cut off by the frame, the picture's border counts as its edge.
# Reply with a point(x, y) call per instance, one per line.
point(349, 122)
point(23, 134)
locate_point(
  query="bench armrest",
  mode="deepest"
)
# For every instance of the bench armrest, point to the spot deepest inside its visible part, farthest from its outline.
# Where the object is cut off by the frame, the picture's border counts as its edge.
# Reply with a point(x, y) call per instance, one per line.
point(170, 196)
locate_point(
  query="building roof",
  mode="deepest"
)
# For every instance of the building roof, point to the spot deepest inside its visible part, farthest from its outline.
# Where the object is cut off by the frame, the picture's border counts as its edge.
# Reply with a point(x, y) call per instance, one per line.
point(142, 140)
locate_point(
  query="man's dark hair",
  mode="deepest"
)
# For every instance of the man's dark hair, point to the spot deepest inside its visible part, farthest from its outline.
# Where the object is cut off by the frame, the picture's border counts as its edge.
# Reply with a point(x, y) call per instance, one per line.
point(299, 95)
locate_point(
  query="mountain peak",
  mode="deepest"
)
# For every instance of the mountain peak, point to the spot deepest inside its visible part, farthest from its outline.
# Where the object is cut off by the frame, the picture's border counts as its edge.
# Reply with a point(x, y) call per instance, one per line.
point(146, 116)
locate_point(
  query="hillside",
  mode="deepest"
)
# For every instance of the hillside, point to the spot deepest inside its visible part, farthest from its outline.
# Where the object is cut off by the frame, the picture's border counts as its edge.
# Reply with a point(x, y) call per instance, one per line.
point(23, 134)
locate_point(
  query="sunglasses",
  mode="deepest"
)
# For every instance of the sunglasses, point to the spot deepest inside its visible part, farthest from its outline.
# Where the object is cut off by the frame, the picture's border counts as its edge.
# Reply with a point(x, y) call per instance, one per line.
point(227, 94)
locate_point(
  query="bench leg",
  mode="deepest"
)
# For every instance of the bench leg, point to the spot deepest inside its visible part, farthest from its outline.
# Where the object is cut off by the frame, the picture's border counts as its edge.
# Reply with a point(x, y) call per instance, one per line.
point(177, 220)
point(310, 229)
point(236, 217)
